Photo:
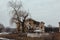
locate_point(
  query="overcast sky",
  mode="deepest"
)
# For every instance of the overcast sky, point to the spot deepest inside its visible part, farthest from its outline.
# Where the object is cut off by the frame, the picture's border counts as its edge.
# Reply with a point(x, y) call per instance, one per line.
point(40, 10)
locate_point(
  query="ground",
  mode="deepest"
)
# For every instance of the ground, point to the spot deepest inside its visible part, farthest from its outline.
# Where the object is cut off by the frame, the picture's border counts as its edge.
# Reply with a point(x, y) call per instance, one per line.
point(51, 36)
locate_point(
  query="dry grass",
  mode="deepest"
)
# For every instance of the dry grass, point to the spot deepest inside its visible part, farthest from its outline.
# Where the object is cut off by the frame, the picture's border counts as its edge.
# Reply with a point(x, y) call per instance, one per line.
point(52, 36)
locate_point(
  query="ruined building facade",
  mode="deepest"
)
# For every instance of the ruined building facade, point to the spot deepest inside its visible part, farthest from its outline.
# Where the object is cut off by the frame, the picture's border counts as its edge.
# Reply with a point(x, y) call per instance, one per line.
point(30, 23)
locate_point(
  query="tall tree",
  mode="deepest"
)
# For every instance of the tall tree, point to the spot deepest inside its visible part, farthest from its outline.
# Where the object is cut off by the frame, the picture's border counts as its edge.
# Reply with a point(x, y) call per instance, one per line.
point(19, 16)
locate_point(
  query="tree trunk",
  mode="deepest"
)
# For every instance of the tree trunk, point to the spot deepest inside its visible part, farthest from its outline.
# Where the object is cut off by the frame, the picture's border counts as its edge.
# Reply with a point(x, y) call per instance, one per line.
point(23, 26)
point(18, 27)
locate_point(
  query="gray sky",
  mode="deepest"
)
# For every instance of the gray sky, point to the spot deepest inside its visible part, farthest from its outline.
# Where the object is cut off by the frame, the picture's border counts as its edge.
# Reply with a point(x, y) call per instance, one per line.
point(40, 10)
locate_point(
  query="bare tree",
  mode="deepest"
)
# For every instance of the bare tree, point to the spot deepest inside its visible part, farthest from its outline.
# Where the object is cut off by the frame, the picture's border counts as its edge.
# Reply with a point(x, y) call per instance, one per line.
point(19, 16)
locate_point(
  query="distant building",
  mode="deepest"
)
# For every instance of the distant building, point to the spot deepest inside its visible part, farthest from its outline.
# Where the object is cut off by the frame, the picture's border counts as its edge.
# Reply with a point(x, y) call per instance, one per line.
point(51, 29)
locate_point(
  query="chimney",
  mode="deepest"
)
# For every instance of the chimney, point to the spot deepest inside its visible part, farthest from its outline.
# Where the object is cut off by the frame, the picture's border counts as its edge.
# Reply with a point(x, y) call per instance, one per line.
point(59, 26)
